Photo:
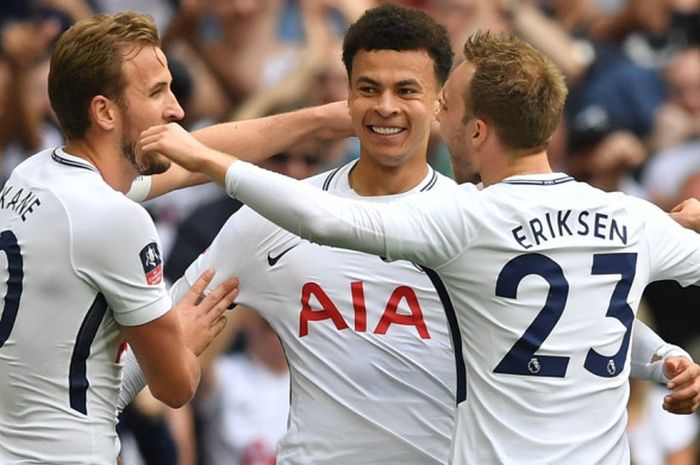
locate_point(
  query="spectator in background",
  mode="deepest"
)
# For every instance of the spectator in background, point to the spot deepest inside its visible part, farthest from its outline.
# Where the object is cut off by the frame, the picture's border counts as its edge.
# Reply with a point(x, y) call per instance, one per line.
point(649, 32)
point(243, 402)
point(27, 123)
point(678, 119)
point(236, 47)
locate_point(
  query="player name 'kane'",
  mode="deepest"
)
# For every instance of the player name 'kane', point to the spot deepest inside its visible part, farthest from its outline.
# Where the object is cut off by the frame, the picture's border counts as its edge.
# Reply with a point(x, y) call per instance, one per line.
point(569, 223)
point(19, 201)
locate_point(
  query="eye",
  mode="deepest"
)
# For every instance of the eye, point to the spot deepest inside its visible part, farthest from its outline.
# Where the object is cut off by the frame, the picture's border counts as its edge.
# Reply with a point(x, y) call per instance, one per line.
point(367, 90)
point(157, 91)
point(407, 91)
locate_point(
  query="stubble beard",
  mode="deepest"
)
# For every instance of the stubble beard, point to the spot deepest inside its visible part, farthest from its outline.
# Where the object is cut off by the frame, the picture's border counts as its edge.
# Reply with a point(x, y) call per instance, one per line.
point(149, 165)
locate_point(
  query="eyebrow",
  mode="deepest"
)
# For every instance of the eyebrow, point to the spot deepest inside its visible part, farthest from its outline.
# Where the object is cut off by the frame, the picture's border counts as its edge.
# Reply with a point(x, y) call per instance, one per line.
point(405, 82)
point(157, 86)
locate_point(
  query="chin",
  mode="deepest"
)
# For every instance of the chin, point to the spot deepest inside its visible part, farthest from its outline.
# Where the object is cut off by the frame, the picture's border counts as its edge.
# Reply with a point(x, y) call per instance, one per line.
point(156, 165)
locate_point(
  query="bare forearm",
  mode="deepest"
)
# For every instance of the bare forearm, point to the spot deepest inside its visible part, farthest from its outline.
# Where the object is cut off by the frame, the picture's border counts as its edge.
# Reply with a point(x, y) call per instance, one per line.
point(257, 139)
point(175, 178)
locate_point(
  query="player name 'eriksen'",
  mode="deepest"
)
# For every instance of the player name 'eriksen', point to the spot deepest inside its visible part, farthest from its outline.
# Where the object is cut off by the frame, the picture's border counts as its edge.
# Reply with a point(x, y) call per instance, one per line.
point(20, 202)
point(569, 223)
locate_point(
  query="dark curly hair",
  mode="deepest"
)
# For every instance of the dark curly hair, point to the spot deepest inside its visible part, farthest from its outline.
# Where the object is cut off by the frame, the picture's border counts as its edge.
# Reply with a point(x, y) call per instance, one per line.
point(393, 27)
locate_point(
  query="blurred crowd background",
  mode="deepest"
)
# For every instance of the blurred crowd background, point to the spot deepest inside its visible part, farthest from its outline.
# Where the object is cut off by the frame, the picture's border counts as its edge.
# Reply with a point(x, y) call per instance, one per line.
point(632, 123)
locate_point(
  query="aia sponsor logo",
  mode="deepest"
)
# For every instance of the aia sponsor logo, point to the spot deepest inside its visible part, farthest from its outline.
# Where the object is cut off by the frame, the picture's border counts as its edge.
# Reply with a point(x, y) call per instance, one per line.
point(317, 306)
point(152, 263)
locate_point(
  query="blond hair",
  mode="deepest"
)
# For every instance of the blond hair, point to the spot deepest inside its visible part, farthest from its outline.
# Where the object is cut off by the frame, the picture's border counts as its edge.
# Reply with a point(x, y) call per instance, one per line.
point(516, 88)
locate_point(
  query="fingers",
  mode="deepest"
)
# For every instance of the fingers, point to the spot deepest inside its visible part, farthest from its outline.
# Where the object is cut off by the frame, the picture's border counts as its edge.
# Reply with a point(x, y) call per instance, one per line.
point(199, 286)
point(678, 207)
point(684, 401)
point(221, 297)
point(674, 365)
point(681, 371)
point(151, 138)
point(219, 325)
point(685, 386)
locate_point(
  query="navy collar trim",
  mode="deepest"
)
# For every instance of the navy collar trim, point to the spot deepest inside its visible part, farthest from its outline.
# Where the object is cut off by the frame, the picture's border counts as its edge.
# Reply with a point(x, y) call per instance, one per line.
point(71, 162)
point(539, 182)
point(431, 183)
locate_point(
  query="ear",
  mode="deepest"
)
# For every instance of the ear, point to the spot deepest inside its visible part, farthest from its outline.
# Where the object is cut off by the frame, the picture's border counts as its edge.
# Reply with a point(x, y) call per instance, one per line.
point(480, 132)
point(103, 112)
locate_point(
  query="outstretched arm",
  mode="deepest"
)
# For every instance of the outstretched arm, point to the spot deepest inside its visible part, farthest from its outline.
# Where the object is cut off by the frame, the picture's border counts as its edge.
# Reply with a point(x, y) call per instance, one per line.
point(255, 140)
point(335, 220)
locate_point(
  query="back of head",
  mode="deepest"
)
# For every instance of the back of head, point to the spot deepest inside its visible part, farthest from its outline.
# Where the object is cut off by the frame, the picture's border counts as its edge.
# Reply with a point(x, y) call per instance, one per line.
point(516, 88)
point(392, 27)
point(87, 61)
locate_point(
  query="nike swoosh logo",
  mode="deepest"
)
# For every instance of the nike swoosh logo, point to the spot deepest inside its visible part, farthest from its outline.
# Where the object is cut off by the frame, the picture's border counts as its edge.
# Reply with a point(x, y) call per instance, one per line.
point(273, 260)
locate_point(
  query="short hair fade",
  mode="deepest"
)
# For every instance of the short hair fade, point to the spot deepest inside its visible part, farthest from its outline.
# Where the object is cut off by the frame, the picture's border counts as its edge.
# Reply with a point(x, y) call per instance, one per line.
point(393, 27)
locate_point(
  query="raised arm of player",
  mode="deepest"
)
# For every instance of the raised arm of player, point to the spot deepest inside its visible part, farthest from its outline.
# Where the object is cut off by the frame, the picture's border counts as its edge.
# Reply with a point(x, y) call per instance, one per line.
point(254, 140)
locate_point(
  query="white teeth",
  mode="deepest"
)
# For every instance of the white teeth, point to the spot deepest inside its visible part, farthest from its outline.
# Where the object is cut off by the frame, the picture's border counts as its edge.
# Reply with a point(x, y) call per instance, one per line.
point(386, 131)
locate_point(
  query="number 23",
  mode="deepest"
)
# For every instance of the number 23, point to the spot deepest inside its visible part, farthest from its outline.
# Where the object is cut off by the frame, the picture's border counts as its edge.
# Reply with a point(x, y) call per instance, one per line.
point(521, 358)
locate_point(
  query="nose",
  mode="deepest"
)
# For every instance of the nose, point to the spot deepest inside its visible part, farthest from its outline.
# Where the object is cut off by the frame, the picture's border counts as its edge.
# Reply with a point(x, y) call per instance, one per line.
point(173, 110)
point(386, 104)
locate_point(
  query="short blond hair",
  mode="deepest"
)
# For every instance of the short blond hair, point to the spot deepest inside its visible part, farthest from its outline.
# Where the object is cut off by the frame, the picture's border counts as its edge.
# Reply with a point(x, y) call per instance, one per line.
point(516, 88)
point(87, 61)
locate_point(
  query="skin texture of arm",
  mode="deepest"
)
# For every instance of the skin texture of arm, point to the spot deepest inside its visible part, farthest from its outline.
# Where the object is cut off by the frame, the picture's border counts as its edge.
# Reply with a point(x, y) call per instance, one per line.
point(169, 364)
point(252, 140)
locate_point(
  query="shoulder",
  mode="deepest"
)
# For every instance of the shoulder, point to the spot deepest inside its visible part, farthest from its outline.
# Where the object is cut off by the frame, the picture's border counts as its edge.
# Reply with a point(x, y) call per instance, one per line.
point(108, 226)
point(443, 181)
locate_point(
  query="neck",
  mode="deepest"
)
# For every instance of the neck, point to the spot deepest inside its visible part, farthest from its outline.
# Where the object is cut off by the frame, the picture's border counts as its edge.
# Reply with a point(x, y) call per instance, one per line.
point(111, 164)
point(514, 165)
point(372, 179)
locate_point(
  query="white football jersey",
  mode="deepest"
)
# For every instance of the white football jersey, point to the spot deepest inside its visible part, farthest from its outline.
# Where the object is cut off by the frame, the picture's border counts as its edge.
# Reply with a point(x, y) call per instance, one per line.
point(77, 257)
point(368, 343)
point(545, 276)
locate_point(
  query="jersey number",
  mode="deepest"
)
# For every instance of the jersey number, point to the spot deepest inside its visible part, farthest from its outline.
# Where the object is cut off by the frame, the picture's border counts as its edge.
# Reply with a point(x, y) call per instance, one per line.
point(11, 300)
point(15, 276)
point(522, 359)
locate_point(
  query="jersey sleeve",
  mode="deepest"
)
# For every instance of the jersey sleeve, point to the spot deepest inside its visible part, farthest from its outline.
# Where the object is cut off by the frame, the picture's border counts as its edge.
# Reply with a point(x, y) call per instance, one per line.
point(407, 228)
point(228, 255)
point(432, 228)
point(119, 254)
point(674, 251)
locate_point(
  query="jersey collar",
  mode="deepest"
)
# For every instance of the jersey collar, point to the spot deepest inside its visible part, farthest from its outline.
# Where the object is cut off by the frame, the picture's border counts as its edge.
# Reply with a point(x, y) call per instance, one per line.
point(60, 156)
point(342, 176)
point(543, 179)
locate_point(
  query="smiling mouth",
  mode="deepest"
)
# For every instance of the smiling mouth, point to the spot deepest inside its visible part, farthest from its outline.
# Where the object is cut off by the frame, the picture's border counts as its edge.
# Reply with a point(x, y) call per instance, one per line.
point(385, 130)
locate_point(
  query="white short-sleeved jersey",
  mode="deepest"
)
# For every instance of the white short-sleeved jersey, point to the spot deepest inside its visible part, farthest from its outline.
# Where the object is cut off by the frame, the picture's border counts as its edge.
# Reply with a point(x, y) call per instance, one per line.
point(368, 343)
point(76, 258)
point(545, 275)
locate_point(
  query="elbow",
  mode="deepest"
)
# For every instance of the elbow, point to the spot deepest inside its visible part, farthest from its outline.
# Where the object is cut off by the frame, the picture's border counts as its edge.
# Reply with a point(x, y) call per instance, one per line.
point(175, 395)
